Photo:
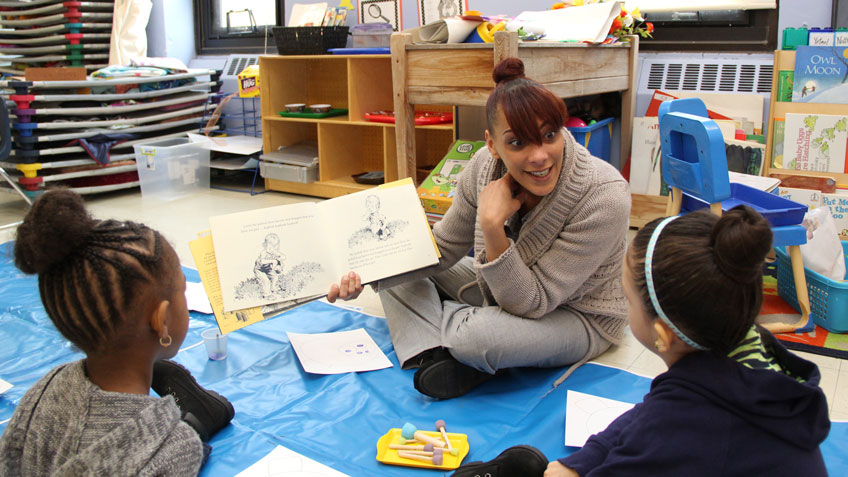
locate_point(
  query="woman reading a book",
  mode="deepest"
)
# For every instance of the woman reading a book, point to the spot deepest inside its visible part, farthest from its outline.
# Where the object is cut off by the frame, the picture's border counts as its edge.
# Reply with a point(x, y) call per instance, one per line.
point(547, 224)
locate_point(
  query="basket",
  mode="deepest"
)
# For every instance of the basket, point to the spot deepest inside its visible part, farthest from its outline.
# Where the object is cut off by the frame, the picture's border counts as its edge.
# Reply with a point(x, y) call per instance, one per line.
point(597, 138)
point(310, 40)
point(828, 298)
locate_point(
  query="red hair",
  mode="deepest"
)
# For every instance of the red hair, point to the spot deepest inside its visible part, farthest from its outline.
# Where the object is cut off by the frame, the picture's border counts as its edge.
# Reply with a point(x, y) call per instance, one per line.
point(524, 102)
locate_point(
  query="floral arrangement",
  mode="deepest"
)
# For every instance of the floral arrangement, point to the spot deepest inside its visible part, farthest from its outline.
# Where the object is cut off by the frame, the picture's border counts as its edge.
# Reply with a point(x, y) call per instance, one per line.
point(631, 23)
point(627, 23)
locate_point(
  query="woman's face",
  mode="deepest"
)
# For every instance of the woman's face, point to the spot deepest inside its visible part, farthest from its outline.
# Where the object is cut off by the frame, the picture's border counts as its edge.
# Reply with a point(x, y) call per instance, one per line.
point(535, 167)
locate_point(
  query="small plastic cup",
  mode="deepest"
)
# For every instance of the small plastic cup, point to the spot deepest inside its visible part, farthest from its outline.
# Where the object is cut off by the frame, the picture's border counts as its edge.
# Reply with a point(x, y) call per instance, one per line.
point(216, 344)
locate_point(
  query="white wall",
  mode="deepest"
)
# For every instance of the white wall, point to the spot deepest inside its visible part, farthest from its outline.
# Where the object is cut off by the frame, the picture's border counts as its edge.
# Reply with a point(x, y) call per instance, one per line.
point(170, 30)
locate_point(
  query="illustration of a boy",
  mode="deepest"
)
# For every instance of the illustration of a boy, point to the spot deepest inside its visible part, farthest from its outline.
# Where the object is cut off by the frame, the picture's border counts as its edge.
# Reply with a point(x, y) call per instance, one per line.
point(269, 266)
point(376, 220)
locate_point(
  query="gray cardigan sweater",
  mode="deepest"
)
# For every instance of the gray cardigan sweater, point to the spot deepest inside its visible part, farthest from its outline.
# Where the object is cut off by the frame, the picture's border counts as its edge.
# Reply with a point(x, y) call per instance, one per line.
point(65, 425)
point(569, 247)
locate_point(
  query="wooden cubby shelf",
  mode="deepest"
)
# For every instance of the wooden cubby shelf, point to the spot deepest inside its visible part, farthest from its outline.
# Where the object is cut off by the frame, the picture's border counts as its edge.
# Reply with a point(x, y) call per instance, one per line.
point(348, 144)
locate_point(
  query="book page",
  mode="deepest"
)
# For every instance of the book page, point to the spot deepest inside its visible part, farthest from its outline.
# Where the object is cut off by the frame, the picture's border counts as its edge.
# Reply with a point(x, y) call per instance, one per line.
point(271, 255)
point(380, 232)
point(207, 268)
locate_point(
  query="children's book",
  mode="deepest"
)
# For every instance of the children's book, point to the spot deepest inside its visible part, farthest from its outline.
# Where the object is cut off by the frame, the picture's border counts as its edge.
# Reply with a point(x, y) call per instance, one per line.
point(821, 75)
point(838, 204)
point(810, 198)
point(815, 142)
point(645, 157)
point(294, 251)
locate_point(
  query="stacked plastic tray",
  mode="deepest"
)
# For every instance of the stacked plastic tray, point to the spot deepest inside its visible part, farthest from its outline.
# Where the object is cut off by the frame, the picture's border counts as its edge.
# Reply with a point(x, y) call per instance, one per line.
point(43, 33)
point(49, 118)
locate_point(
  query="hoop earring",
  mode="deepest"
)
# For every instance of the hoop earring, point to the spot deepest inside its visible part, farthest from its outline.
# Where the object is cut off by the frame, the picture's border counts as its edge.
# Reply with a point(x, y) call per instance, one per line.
point(165, 343)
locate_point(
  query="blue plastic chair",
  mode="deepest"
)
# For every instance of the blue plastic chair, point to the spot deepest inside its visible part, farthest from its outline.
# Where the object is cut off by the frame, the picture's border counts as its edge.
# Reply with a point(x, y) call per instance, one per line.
point(694, 163)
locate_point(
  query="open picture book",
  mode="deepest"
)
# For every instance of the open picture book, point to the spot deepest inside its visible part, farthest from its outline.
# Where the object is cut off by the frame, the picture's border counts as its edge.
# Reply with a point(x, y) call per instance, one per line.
point(297, 251)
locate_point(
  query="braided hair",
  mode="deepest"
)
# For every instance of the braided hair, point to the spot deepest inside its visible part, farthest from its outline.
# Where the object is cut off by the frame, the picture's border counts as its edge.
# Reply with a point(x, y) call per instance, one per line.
point(91, 273)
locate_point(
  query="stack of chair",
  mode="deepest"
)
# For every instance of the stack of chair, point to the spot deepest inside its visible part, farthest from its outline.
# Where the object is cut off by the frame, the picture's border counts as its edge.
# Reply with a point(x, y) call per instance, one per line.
point(44, 33)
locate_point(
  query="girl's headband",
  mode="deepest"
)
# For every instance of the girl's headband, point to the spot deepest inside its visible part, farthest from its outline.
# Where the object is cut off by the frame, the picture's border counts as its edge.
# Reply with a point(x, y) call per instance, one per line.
point(649, 281)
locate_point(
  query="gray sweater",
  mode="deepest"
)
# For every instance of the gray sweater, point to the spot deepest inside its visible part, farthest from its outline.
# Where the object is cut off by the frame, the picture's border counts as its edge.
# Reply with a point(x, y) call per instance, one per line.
point(569, 247)
point(65, 425)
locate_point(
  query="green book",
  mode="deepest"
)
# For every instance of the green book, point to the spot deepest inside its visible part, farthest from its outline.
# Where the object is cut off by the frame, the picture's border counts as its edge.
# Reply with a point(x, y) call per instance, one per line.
point(785, 81)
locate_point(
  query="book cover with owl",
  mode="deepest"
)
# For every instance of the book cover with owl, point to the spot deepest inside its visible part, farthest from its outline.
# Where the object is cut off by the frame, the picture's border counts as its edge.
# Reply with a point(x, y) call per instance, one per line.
point(821, 75)
point(815, 142)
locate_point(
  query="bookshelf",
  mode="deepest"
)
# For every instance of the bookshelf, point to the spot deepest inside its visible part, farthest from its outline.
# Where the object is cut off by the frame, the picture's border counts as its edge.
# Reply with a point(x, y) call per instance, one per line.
point(785, 60)
point(347, 144)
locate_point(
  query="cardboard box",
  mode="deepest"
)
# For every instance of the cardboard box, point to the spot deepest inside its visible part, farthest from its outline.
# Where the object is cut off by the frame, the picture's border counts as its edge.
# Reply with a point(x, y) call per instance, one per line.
point(438, 189)
point(248, 82)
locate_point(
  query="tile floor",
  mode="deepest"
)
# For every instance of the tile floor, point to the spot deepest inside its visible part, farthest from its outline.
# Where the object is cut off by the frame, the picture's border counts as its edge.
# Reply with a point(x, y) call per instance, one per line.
point(181, 220)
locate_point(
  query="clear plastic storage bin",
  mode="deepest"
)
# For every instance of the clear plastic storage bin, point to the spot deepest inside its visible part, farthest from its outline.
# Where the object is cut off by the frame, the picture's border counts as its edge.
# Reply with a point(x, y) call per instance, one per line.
point(371, 35)
point(172, 168)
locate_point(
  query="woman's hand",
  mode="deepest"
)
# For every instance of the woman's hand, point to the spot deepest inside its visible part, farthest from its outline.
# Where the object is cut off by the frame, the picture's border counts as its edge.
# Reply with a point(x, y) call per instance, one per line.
point(498, 201)
point(555, 469)
point(348, 288)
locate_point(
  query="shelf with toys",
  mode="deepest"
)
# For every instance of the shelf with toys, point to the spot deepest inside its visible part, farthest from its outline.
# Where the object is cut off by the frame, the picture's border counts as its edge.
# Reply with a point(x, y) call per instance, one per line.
point(347, 144)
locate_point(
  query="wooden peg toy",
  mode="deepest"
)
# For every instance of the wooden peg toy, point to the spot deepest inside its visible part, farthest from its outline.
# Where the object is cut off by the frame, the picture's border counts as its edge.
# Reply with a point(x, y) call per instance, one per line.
point(422, 437)
point(409, 431)
point(425, 448)
point(440, 426)
point(436, 459)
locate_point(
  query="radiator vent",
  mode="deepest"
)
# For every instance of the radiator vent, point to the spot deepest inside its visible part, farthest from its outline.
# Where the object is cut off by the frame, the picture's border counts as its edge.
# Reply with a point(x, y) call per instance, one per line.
point(237, 63)
point(707, 72)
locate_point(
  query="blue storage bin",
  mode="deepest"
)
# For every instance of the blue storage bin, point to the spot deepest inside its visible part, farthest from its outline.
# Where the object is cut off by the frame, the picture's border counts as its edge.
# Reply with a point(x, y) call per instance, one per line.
point(828, 298)
point(597, 138)
point(777, 210)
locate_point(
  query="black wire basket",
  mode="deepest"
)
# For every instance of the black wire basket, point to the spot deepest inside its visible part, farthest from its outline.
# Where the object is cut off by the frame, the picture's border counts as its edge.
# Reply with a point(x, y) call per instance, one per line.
point(309, 40)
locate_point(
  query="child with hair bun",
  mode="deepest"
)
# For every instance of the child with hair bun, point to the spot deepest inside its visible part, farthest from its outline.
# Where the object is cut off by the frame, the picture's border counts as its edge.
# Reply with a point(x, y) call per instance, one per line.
point(734, 401)
point(116, 291)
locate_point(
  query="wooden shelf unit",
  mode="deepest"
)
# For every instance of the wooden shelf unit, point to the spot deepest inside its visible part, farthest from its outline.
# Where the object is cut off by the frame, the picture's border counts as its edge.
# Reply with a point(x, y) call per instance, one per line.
point(785, 60)
point(347, 144)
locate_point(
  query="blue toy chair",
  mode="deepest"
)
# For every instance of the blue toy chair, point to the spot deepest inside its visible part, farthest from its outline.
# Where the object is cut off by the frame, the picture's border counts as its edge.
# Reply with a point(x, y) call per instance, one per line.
point(694, 165)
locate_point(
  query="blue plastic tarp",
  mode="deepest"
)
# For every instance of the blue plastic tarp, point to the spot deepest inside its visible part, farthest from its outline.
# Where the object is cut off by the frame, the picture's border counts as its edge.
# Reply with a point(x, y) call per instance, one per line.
point(333, 419)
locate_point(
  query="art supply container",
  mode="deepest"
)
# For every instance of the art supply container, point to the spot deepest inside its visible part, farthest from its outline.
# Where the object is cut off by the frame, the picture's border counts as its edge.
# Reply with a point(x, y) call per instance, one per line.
point(371, 35)
point(216, 344)
point(597, 138)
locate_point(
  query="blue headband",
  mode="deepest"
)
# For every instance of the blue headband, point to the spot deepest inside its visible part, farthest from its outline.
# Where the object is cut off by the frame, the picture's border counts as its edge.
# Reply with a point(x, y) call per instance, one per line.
point(649, 281)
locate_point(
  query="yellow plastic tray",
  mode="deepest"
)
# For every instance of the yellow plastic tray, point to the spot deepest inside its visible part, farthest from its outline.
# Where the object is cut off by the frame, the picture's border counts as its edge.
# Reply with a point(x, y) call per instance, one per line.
point(450, 462)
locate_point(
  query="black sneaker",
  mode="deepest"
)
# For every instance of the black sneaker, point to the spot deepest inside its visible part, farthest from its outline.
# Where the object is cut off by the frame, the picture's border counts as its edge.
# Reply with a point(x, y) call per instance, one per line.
point(524, 461)
point(444, 377)
point(206, 411)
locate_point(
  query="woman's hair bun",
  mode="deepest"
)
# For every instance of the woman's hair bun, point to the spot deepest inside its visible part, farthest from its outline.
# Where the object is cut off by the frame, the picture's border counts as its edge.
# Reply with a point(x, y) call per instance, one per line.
point(508, 69)
point(57, 224)
point(741, 239)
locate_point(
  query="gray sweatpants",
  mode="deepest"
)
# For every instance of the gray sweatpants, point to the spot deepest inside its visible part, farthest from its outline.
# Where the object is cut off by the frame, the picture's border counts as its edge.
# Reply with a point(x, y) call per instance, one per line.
point(486, 338)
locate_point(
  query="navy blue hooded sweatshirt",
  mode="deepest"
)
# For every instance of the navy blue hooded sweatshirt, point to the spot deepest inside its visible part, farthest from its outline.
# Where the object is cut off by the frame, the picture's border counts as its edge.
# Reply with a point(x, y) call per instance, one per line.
point(709, 415)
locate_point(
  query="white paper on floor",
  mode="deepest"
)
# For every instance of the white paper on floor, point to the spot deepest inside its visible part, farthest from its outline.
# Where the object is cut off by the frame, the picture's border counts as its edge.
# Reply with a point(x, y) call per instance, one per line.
point(283, 462)
point(339, 352)
point(586, 414)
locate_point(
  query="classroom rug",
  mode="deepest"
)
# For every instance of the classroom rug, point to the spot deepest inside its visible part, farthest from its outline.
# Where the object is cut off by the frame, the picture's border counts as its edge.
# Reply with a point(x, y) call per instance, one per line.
point(818, 341)
point(333, 419)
